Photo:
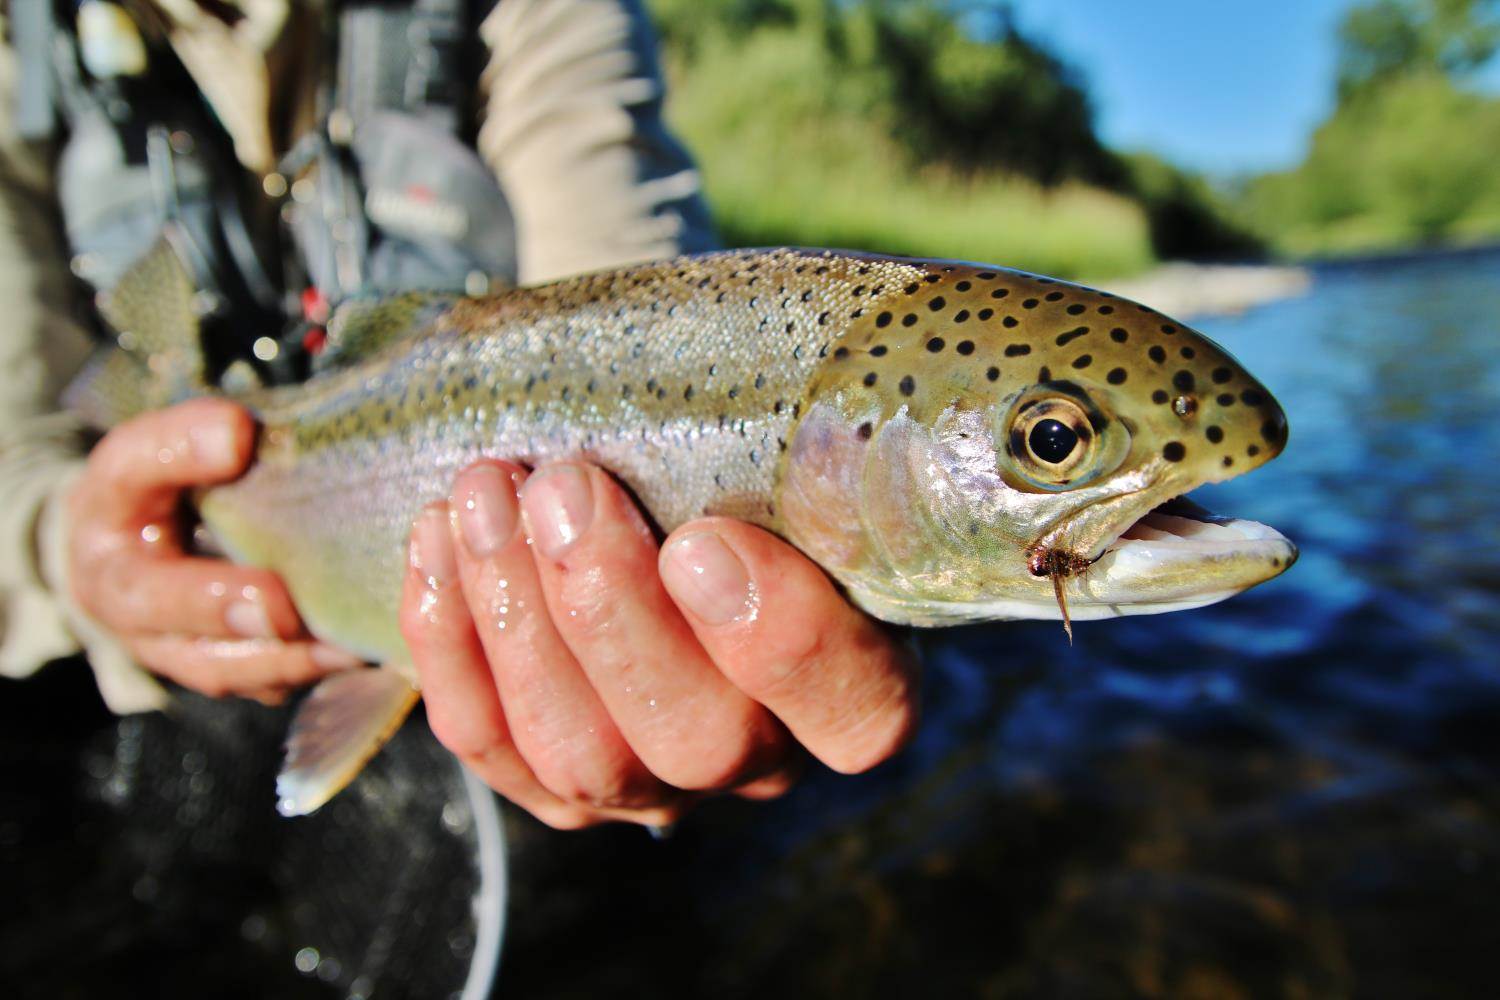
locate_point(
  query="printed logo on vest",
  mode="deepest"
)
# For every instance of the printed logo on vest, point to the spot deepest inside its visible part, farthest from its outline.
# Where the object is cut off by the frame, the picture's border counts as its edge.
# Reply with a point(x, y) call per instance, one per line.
point(417, 213)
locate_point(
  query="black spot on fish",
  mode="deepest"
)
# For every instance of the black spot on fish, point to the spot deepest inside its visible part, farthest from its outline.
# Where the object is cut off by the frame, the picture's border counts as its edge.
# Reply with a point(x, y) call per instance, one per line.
point(878, 351)
point(1157, 353)
point(1159, 396)
point(966, 347)
point(1118, 335)
point(864, 430)
point(961, 316)
point(1083, 361)
point(1106, 310)
point(1252, 397)
point(1017, 350)
point(840, 353)
point(992, 374)
point(1214, 433)
point(937, 304)
point(1183, 380)
point(1221, 375)
point(985, 314)
point(1011, 321)
point(1225, 399)
point(999, 293)
point(1168, 328)
point(1054, 296)
point(933, 279)
point(1030, 304)
point(1187, 353)
point(986, 275)
point(869, 378)
point(1075, 309)
point(936, 344)
point(908, 385)
point(760, 381)
point(883, 320)
point(1173, 451)
point(1272, 431)
point(1063, 338)
point(962, 286)
point(911, 289)
point(687, 393)
point(1116, 376)
point(1044, 374)
point(910, 319)
point(1228, 461)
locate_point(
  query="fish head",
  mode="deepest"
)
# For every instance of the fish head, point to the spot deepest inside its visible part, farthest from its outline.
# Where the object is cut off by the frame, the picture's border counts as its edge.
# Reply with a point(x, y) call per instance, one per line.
point(982, 444)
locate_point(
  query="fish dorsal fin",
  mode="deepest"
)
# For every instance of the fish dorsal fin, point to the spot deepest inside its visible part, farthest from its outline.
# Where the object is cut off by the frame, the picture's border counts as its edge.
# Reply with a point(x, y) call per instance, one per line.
point(362, 327)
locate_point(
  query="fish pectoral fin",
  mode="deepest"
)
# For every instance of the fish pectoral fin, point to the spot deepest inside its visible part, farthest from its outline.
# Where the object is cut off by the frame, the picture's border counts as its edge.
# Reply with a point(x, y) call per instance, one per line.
point(339, 726)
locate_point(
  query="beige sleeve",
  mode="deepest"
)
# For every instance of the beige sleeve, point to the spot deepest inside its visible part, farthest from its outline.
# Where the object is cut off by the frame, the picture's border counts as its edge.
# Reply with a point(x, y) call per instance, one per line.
point(41, 449)
point(573, 130)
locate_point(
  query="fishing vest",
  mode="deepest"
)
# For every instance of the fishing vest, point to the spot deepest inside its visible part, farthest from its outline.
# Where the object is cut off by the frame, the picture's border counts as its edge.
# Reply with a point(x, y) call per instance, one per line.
point(386, 194)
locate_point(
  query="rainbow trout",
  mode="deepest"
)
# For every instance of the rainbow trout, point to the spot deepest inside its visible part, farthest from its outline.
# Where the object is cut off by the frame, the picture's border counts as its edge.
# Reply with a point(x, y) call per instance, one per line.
point(951, 442)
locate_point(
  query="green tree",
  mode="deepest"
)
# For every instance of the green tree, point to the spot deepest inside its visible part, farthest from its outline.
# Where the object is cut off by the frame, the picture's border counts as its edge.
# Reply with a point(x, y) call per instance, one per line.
point(1387, 39)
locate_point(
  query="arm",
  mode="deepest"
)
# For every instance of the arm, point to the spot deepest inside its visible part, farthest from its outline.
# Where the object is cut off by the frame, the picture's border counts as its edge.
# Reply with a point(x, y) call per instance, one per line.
point(572, 128)
point(41, 450)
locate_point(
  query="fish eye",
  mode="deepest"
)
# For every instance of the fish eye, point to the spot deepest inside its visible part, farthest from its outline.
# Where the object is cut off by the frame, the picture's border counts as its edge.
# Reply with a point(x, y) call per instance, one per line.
point(1052, 441)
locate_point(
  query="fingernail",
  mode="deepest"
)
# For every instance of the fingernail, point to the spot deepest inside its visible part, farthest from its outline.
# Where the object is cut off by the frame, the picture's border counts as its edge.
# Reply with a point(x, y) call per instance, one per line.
point(706, 577)
point(249, 619)
point(213, 443)
point(486, 498)
point(332, 658)
point(559, 505)
point(432, 546)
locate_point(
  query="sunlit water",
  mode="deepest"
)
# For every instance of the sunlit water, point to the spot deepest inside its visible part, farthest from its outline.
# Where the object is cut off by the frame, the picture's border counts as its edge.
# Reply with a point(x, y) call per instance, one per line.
point(1291, 793)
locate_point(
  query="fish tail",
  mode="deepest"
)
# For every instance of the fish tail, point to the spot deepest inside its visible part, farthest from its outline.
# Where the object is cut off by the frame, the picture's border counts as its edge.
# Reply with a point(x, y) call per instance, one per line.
point(158, 357)
point(339, 726)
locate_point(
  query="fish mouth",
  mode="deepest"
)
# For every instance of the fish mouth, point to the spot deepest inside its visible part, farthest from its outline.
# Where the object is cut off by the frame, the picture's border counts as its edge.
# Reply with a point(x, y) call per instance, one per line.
point(1180, 554)
point(1183, 525)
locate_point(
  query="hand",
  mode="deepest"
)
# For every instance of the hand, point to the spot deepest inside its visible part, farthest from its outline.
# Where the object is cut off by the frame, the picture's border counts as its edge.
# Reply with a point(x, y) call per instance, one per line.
point(588, 675)
point(208, 625)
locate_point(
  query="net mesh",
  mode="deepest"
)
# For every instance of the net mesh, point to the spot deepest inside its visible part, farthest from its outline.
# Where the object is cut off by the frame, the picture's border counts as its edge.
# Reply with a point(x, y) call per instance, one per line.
point(146, 851)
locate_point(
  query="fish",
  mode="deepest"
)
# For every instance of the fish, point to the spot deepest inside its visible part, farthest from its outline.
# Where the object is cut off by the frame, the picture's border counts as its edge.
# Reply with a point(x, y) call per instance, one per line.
point(951, 442)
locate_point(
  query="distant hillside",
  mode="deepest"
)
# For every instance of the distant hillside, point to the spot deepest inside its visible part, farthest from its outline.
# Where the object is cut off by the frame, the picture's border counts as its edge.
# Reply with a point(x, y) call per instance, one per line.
point(891, 126)
point(1411, 154)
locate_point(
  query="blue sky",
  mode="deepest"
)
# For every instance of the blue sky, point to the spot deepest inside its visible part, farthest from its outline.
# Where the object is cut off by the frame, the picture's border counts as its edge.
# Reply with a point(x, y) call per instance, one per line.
point(1225, 86)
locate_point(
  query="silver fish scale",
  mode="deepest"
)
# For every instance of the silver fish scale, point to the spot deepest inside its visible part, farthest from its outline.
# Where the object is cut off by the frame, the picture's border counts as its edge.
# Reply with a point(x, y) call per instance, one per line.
point(684, 378)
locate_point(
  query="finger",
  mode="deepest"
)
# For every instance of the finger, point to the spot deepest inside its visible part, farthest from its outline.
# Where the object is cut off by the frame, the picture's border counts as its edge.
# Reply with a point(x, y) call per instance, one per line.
point(132, 592)
point(559, 723)
point(462, 707)
point(779, 630)
point(249, 667)
point(138, 470)
point(597, 564)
